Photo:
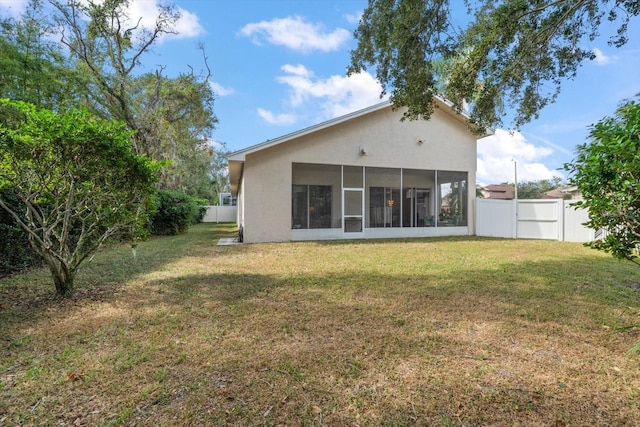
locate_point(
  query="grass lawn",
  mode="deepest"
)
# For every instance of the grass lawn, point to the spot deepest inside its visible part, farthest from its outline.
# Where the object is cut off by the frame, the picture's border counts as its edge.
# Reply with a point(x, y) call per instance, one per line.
point(450, 332)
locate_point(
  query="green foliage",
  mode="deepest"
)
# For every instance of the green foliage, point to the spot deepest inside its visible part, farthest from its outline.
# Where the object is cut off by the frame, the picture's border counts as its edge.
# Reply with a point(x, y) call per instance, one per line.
point(514, 54)
point(16, 252)
point(172, 117)
point(199, 210)
point(537, 189)
point(32, 67)
point(97, 66)
point(78, 181)
point(218, 175)
point(607, 173)
point(175, 211)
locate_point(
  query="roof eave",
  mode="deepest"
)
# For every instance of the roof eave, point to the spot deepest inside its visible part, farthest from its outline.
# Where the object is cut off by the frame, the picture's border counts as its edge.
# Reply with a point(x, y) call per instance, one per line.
point(237, 158)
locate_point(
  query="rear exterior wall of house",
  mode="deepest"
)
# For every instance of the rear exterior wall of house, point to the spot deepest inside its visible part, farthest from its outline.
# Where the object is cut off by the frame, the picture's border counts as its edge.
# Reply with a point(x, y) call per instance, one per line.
point(375, 140)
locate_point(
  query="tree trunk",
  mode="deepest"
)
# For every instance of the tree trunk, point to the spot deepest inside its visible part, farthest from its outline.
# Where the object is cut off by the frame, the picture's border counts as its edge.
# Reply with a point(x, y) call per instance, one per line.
point(62, 276)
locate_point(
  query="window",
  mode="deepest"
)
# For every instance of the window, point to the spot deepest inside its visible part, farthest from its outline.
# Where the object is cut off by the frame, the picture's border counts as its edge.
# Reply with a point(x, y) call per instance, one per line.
point(315, 196)
point(299, 206)
point(226, 199)
point(383, 197)
point(384, 207)
point(376, 197)
point(311, 206)
point(453, 198)
point(417, 203)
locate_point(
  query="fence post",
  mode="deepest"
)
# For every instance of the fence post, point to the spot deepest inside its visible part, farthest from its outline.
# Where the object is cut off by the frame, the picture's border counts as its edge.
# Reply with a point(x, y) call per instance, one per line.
point(515, 215)
point(560, 209)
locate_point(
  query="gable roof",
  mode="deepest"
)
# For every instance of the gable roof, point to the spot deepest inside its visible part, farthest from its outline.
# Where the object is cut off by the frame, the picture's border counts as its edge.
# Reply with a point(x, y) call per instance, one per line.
point(237, 158)
point(499, 191)
point(240, 154)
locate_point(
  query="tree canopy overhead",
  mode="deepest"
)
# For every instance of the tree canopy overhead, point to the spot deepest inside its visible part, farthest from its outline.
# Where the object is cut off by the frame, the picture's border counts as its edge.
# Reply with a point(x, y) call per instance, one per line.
point(513, 55)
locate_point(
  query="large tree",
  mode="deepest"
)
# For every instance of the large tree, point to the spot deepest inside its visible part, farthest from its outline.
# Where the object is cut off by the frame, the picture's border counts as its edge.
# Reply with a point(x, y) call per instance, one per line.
point(172, 117)
point(78, 181)
point(176, 115)
point(108, 46)
point(33, 68)
point(606, 170)
point(514, 54)
point(219, 172)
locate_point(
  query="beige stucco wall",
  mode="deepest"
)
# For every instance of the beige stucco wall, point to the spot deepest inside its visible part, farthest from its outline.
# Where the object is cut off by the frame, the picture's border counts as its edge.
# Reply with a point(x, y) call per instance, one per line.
point(266, 187)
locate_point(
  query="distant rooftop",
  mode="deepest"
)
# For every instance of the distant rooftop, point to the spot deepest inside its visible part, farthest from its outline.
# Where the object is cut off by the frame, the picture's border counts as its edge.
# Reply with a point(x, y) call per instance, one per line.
point(498, 192)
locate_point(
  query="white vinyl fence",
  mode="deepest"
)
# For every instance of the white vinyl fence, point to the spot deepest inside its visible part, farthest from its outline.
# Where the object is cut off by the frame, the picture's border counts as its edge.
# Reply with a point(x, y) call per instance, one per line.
point(221, 214)
point(532, 219)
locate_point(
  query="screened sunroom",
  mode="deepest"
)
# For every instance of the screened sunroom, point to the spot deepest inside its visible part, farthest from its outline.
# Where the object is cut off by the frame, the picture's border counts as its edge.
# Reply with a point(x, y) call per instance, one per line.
point(332, 201)
point(367, 174)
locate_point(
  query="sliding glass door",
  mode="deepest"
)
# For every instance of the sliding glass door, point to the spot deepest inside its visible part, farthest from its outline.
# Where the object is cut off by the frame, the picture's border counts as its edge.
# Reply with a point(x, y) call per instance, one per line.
point(416, 210)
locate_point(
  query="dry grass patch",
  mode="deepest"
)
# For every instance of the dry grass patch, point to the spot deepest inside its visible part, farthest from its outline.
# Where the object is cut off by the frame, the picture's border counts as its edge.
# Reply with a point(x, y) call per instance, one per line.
point(460, 331)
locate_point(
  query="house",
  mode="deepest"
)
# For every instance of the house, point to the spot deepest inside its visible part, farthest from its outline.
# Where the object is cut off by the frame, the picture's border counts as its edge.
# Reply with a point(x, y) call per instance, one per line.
point(568, 192)
point(363, 175)
point(498, 192)
point(226, 199)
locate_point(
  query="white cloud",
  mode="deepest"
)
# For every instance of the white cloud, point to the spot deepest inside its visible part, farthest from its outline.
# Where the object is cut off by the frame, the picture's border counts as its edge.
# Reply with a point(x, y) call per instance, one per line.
point(353, 18)
point(601, 58)
point(297, 70)
point(333, 96)
point(296, 34)
point(220, 90)
point(497, 153)
point(188, 25)
point(145, 13)
point(213, 143)
point(276, 119)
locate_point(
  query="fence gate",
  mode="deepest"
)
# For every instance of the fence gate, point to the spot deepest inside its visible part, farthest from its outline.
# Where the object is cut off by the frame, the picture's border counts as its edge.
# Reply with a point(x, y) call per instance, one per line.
point(540, 219)
point(552, 219)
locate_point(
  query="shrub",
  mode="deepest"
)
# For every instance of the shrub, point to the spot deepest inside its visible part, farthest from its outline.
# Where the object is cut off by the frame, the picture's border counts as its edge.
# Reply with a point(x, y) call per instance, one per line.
point(199, 210)
point(16, 251)
point(79, 181)
point(175, 212)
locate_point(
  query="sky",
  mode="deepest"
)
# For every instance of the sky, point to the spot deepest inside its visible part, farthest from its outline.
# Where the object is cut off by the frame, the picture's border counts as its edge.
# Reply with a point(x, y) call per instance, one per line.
point(278, 66)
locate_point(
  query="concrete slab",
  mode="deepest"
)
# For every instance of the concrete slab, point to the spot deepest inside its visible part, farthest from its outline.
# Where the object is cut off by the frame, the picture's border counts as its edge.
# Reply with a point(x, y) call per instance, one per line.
point(228, 241)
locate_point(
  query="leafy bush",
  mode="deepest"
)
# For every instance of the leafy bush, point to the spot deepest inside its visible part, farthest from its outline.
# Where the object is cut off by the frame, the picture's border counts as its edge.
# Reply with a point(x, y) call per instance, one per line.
point(16, 251)
point(200, 210)
point(606, 174)
point(175, 212)
point(80, 178)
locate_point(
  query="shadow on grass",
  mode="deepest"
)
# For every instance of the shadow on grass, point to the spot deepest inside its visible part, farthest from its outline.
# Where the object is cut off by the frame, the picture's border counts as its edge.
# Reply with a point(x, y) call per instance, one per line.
point(540, 291)
point(344, 341)
point(428, 337)
point(526, 285)
point(27, 295)
point(402, 347)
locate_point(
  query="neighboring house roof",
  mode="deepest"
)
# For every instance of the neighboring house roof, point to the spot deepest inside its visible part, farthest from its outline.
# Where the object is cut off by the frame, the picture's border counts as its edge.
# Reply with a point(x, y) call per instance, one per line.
point(237, 158)
point(556, 193)
point(562, 192)
point(499, 192)
point(506, 192)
